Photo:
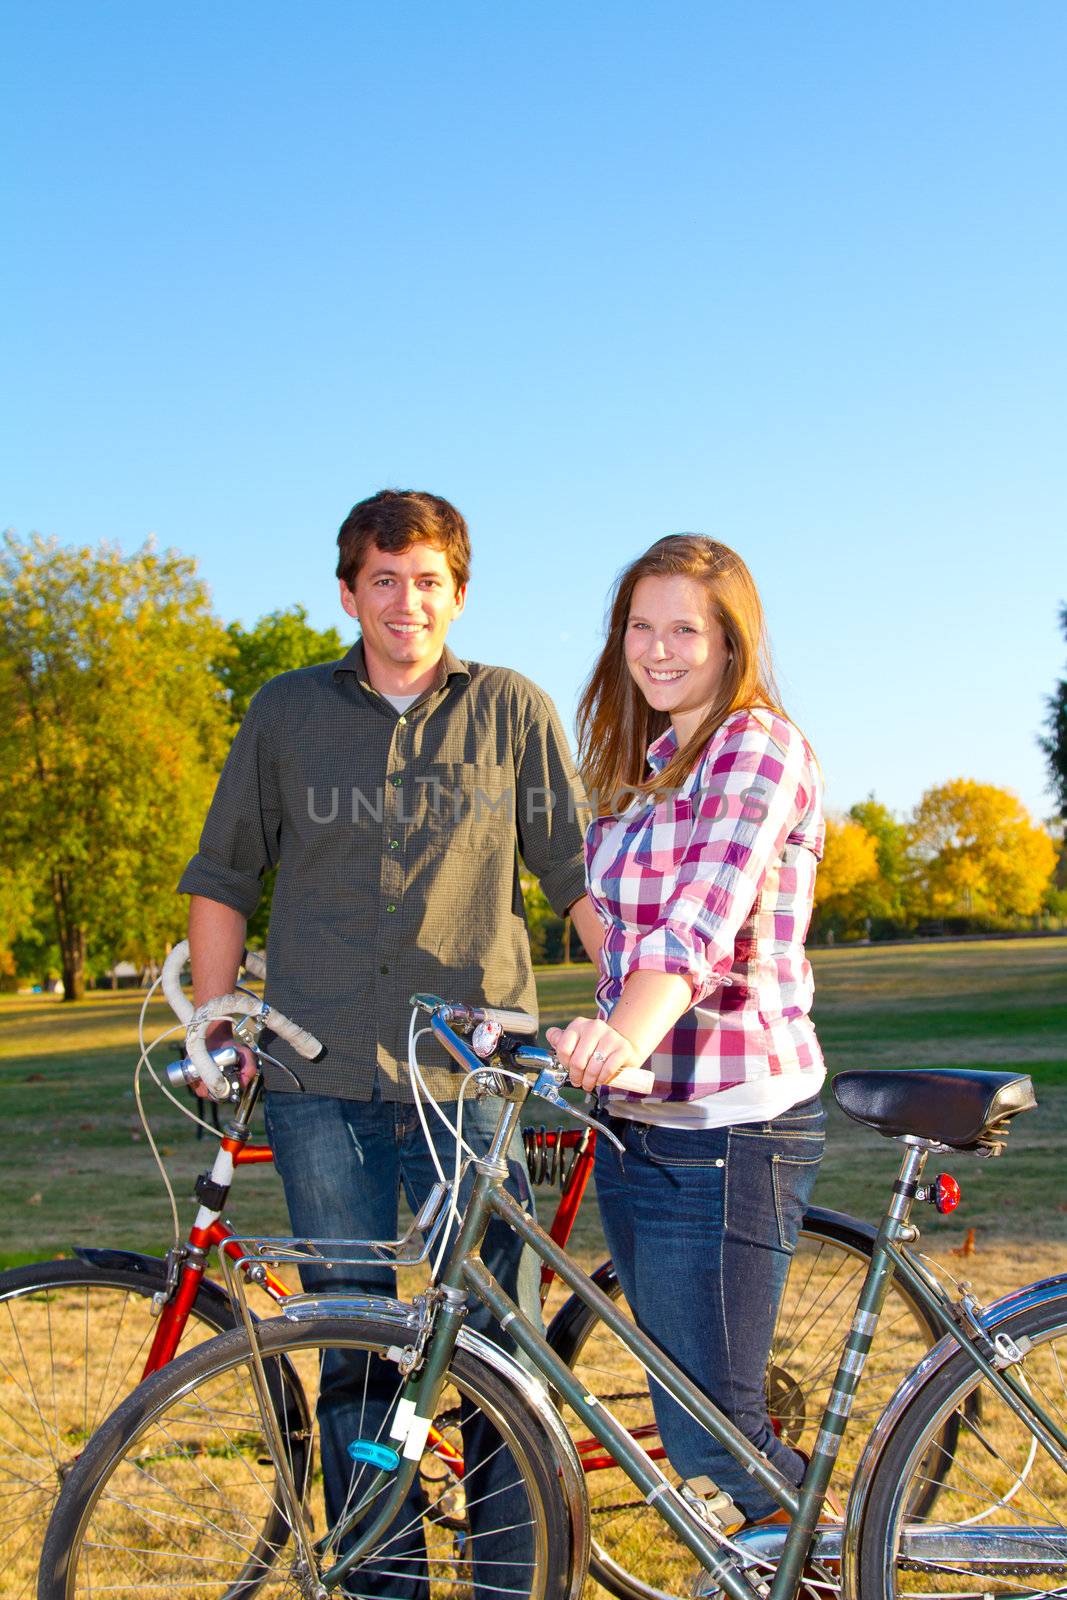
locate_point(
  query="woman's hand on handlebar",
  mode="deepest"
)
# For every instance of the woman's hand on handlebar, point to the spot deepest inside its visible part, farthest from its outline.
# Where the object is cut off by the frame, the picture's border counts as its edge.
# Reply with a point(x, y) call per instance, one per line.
point(221, 1033)
point(592, 1051)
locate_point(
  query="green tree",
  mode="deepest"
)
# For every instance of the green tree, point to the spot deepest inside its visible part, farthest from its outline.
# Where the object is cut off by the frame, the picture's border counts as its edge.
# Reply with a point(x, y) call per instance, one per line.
point(546, 928)
point(277, 643)
point(978, 853)
point(887, 898)
point(112, 729)
point(1055, 745)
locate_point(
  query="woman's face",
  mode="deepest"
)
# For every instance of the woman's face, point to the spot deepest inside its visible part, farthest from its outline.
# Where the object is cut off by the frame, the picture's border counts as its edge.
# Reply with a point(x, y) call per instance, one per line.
point(675, 649)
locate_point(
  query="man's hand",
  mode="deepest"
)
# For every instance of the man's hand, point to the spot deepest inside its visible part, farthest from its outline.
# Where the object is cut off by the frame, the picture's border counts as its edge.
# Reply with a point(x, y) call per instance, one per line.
point(219, 1034)
point(592, 1051)
point(216, 945)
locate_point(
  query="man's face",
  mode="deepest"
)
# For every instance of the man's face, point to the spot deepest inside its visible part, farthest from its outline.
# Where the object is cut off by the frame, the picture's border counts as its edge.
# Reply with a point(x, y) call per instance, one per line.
point(404, 603)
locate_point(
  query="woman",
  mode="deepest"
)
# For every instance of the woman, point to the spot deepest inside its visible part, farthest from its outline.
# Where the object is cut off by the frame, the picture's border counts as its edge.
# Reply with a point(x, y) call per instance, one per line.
point(702, 873)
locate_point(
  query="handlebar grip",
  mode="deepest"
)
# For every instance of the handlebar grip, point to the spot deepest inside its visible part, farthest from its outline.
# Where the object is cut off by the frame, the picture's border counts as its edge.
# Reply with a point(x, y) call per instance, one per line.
point(171, 981)
point(510, 1021)
point(255, 963)
point(635, 1080)
point(200, 1063)
point(304, 1043)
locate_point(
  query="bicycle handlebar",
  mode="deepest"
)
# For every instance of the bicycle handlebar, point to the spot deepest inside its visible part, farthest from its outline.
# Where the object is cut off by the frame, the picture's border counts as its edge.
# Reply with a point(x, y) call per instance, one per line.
point(240, 1005)
point(197, 1020)
point(634, 1080)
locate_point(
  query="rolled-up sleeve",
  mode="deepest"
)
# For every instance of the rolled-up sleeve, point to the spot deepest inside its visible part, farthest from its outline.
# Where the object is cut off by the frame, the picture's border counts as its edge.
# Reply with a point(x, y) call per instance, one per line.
point(240, 838)
point(550, 805)
point(749, 795)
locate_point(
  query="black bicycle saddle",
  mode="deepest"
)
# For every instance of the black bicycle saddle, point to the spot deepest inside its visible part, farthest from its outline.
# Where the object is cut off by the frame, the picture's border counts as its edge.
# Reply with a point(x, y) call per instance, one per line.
point(957, 1106)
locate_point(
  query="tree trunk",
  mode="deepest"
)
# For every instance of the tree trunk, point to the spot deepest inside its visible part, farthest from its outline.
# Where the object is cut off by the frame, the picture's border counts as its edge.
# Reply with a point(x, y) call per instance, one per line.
point(71, 938)
point(73, 954)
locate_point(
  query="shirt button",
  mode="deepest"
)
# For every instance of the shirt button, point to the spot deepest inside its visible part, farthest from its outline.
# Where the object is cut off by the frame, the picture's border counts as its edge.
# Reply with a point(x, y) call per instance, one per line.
point(394, 844)
point(384, 969)
point(397, 782)
point(401, 722)
point(390, 908)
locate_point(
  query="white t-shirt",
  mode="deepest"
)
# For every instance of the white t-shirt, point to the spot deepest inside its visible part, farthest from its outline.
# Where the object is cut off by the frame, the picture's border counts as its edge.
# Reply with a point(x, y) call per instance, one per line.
point(760, 1101)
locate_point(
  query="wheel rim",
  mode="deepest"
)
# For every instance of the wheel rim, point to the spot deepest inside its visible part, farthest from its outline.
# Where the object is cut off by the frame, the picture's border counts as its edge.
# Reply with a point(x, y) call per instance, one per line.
point(183, 1509)
point(998, 1522)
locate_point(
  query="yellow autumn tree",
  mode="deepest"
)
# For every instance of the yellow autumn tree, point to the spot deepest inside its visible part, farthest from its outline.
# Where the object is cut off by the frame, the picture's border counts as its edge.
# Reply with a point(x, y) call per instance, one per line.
point(848, 879)
point(977, 852)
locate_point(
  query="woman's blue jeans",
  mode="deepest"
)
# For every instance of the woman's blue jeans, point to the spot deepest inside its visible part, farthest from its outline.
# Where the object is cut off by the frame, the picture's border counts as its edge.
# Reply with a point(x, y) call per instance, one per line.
point(343, 1163)
point(701, 1224)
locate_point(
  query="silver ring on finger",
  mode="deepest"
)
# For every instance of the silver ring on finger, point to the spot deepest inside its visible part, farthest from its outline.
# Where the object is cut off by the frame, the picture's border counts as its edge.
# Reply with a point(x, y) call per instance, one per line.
point(598, 1055)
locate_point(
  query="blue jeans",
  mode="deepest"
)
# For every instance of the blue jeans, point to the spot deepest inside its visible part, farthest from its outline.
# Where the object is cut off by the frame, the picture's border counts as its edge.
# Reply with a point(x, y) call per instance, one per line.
point(343, 1163)
point(701, 1224)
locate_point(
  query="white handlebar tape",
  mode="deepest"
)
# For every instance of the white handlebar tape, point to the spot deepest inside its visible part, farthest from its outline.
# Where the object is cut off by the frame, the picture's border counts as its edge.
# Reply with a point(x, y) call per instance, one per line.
point(511, 1021)
point(240, 1005)
point(635, 1080)
point(255, 963)
point(304, 1043)
point(171, 980)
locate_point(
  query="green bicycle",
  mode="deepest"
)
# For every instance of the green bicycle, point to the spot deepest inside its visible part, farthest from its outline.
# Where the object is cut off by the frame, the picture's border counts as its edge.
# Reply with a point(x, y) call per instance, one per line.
point(961, 1488)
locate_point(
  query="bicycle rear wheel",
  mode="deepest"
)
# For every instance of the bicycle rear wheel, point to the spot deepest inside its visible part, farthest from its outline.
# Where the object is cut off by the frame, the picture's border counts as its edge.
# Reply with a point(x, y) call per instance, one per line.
point(74, 1337)
point(634, 1554)
point(172, 1493)
point(998, 1522)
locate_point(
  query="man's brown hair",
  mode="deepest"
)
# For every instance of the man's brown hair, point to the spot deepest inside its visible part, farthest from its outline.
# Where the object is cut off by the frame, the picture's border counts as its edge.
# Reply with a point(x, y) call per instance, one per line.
point(395, 519)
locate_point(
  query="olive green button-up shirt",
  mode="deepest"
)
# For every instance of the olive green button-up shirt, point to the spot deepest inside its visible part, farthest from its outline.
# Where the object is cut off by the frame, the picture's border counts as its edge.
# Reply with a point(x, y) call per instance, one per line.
point(397, 840)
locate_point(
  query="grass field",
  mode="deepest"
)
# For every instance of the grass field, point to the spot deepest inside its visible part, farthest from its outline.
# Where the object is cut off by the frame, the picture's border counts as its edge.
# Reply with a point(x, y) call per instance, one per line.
point(76, 1167)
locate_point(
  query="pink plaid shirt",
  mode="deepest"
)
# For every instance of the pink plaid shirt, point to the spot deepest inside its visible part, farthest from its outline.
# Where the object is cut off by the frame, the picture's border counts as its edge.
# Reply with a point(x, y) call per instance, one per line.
point(715, 882)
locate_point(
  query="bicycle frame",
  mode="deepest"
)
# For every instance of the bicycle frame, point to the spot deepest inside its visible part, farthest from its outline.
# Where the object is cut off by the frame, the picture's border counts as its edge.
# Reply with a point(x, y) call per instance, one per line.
point(465, 1273)
point(210, 1231)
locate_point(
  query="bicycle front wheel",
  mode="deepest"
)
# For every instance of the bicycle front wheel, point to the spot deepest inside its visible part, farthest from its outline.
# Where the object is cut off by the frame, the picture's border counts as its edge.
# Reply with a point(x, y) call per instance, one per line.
point(997, 1524)
point(172, 1494)
point(74, 1338)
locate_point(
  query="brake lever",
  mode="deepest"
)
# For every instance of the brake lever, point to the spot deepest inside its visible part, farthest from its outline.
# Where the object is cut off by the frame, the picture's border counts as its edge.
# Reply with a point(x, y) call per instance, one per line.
point(546, 1087)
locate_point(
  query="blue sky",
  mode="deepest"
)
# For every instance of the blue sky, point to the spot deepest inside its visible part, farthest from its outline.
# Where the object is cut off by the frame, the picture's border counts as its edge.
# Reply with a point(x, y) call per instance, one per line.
point(788, 274)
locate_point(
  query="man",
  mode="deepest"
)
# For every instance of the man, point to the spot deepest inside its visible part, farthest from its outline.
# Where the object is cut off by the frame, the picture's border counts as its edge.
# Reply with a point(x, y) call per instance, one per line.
point(395, 791)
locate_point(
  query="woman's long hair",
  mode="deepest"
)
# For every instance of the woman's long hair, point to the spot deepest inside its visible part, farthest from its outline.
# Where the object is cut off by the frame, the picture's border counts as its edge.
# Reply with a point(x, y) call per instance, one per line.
point(616, 724)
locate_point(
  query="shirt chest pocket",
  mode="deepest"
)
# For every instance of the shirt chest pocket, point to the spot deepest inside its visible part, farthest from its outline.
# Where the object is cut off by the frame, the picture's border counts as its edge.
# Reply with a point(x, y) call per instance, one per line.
point(465, 805)
point(667, 834)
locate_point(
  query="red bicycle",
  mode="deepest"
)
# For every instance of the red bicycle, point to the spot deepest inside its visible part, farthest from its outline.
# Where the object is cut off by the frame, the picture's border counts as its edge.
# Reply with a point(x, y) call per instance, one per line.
point(77, 1335)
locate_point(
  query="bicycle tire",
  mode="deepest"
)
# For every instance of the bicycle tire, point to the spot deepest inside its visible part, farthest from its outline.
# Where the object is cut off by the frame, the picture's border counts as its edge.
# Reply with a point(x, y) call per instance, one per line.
point(997, 1479)
point(817, 1306)
point(168, 1492)
point(74, 1337)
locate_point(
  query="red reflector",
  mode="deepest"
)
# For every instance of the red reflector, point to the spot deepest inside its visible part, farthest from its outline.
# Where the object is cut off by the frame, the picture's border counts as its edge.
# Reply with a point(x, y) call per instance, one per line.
point(946, 1192)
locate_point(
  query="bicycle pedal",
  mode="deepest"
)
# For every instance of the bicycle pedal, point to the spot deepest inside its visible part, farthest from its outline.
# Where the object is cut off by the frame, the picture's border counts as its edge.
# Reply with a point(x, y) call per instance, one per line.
point(714, 1507)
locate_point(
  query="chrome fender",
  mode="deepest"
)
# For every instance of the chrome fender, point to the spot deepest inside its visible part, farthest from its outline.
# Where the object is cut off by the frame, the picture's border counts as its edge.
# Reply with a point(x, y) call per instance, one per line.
point(572, 1479)
point(1009, 1305)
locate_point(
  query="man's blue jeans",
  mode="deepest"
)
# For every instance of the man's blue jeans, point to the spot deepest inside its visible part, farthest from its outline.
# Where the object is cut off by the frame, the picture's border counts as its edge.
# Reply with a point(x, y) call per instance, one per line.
point(343, 1163)
point(701, 1224)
